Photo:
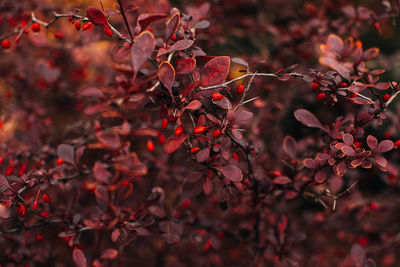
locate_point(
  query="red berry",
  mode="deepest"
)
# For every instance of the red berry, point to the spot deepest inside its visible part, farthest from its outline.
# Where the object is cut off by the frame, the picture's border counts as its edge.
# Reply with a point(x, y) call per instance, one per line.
point(320, 96)
point(44, 214)
point(373, 206)
point(240, 89)
point(353, 95)
point(186, 203)
point(315, 86)
point(343, 85)
point(397, 144)
point(108, 32)
point(35, 27)
point(363, 241)
point(39, 237)
point(9, 171)
point(46, 198)
point(164, 124)
point(1, 160)
point(199, 129)
point(70, 18)
point(386, 97)
point(216, 133)
point(194, 150)
point(59, 161)
point(5, 44)
point(357, 144)
point(21, 210)
point(58, 35)
point(235, 156)
point(34, 206)
point(86, 26)
point(125, 182)
point(173, 37)
point(77, 25)
point(216, 96)
point(161, 139)
point(387, 135)
point(207, 246)
point(178, 131)
point(150, 146)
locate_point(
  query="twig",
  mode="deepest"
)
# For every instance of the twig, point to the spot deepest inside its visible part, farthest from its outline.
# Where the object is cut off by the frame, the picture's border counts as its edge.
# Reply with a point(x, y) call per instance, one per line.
point(125, 19)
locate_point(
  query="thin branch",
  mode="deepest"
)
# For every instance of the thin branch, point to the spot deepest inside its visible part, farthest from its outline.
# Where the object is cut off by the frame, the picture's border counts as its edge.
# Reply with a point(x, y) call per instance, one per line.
point(125, 19)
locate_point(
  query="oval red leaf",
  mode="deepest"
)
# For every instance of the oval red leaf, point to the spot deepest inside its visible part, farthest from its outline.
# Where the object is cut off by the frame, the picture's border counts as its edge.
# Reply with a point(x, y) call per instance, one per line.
point(308, 119)
point(185, 66)
point(231, 172)
point(385, 146)
point(172, 25)
point(174, 144)
point(215, 71)
point(142, 49)
point(96, 16)
point(79, 258)
point(282, 180)
point(109, 254)
point(166, 75)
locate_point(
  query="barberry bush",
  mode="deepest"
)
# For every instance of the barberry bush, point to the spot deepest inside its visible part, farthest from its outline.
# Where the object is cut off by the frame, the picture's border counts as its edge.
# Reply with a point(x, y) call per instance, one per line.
point(199, 133)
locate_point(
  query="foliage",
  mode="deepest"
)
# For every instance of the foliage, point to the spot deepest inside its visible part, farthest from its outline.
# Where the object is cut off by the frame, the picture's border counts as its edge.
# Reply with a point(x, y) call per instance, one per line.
point(128, 136)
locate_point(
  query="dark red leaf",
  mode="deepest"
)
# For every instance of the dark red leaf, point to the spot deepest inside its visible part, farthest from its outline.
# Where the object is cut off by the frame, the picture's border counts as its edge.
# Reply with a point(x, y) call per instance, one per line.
point(189, 88)
point(347, 150)
point(358, 254)
point(109, 254)
point(203, 155)
point(335, 43)
point(370, 53)
point(320, 176)
point(145, 20)
point(91, 92)
point(142, 49)
point(109, 139)
point(310, 163)
point(207, 186)
point(215, 71)
point(96, 16)
point(3, 181)
point(172, 25)
point(282, 180)
point(194, 105)
point(170, 231)
point(289, 146)
point(79, 258)
point(66, 153)
point(382, 86)
point(231, 172)
point(372, 142)
point(308, 119)
point(166, 75)
point(181, 45)
point(101, 174)
point(348, 139)
point(185, 66)
point(224, 103)
point(385, 146)
point(174, 144)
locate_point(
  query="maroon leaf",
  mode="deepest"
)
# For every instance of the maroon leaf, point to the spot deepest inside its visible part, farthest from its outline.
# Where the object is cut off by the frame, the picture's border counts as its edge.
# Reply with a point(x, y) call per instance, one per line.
point(382, 86)
point(282, 180)
point(231, 172)
point(145, 20)
point(79, 258)
point(215, 71)
point(101, 193)
point(358, 254)
point(381, 161)
point(109, 254)
point(109, 139)
point(348, 139)
point(370, 53)
point(172, 25)
point(190, 88)
point(385, 146)
point(166, 75)
point(207, 186)
point(320, 176)
point(308, 119)
point(372, 142)
point(3, 181)
point(348, 151)
point(185, 66)
point(96, 16)
point(174, 144)
point(181, 45)
point(224, 103)
point(310, 163)
point(66, 153)
point(142, 49)
point(191, 189)
point(101, 174)
point(242, 116)
point(289, 146)
point(194, 105)
point(203, 155)
point(170, 231)
point(91, 92)
point(335, 43)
